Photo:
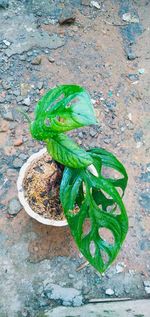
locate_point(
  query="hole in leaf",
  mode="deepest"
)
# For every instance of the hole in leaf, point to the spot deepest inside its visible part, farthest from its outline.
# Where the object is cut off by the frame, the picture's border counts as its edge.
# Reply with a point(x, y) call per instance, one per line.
point(73, 101)
point(117, 211)
point(92, 248)
point(104, 256)
point(119, 190)
point(84, 188)
point(92, 169)
point(106, 235)
point(75, 210)
point(60, 119)
point(109, 172)
point(106, 195)
point(114, 209)
point(111, 208)
point(86, 228)
point(59, 98)
point(47, 122)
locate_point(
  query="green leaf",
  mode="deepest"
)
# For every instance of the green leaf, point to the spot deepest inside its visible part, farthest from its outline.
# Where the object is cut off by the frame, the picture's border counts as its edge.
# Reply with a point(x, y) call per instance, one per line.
point(101, 158)
point(80, 206)
point(105, 158)
point(67, 152)
point(61, 109)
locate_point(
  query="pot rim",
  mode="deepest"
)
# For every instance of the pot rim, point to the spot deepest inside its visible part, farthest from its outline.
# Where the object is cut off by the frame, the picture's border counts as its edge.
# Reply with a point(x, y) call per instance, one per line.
point(23, 200)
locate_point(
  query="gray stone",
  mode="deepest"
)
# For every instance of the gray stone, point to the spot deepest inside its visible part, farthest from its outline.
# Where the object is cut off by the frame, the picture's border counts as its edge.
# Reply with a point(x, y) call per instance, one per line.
point(17, 163)
point(71, 276)
point(14, 207)
point(133, 77)
point(27, 101)
point(4, 4)
point(86, 2)
point(95, 4)
point(5, 85)
point(67, 16)
point(23, 156)
point(107, 140)
point(2, 99)
point(7, 115)
point(138, 135)
point(147, 283)
point(25, 108)
point(68, 295)
point(16, 92)
point(145, 177)
point(29, 53)
point(40, 85)
point(19, 99)
point(147, 290)
point(145, 245)
point(120, 267)
point(111, 104)
point(81, 135)
point(37, 60)
point(22, 57)
point(92, 132)
point(78, 301)
point(7, 43)
point(130, 55)
point(144, 200)
point(51, 59)
point(109, 292)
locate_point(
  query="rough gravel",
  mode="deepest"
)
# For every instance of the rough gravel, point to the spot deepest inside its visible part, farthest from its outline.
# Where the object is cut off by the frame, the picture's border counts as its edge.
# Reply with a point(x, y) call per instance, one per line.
point(105, 54)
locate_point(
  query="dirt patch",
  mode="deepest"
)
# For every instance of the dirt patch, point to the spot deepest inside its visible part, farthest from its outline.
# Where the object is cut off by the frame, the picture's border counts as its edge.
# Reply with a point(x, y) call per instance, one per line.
point(41, 185)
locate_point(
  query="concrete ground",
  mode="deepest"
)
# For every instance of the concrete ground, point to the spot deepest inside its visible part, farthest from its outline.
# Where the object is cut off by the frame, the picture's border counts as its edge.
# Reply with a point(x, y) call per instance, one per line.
point(107, 50)
point(136, 308)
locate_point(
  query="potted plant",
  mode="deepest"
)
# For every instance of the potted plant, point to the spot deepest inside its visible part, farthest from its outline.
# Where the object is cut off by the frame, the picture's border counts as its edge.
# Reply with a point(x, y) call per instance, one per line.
point(75, 186)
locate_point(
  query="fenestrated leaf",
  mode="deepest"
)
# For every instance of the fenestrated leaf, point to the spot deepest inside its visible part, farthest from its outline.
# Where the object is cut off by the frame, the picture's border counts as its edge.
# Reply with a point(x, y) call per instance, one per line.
point(105, 158)
point(73, 195)
point(67, 152)
point(63, 108)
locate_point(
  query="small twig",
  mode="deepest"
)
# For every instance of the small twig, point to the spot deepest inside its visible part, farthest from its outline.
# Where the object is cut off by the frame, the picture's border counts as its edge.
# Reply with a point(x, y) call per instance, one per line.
point(5, 181)
point(105, 300)
point(115, 24)
point(82, 266)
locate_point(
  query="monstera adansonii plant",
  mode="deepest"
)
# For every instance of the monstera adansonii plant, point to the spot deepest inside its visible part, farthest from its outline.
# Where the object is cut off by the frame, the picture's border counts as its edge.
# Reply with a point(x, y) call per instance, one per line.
point(87, 196)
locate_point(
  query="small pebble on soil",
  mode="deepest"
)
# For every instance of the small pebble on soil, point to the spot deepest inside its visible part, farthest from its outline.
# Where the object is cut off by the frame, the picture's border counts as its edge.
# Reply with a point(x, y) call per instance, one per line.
point(14, 207)
point(109, 292)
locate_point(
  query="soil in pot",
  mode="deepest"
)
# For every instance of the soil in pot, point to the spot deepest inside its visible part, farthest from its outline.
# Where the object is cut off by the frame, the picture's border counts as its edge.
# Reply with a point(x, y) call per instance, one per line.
point(41, 186)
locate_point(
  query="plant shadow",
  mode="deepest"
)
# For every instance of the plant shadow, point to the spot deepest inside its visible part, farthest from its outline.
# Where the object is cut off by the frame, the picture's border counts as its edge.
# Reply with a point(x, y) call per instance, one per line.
point(51, 242)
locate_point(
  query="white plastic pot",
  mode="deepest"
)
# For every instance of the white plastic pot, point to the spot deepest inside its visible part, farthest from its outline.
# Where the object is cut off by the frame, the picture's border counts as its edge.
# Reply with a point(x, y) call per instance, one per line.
point(23, 200)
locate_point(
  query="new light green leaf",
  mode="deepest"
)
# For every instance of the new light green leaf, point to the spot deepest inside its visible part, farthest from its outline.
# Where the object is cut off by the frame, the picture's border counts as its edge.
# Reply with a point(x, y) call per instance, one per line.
point(62, 109)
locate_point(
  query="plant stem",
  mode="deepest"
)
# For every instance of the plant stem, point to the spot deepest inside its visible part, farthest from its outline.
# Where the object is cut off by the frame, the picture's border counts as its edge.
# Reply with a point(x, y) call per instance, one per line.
point(25, 115)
